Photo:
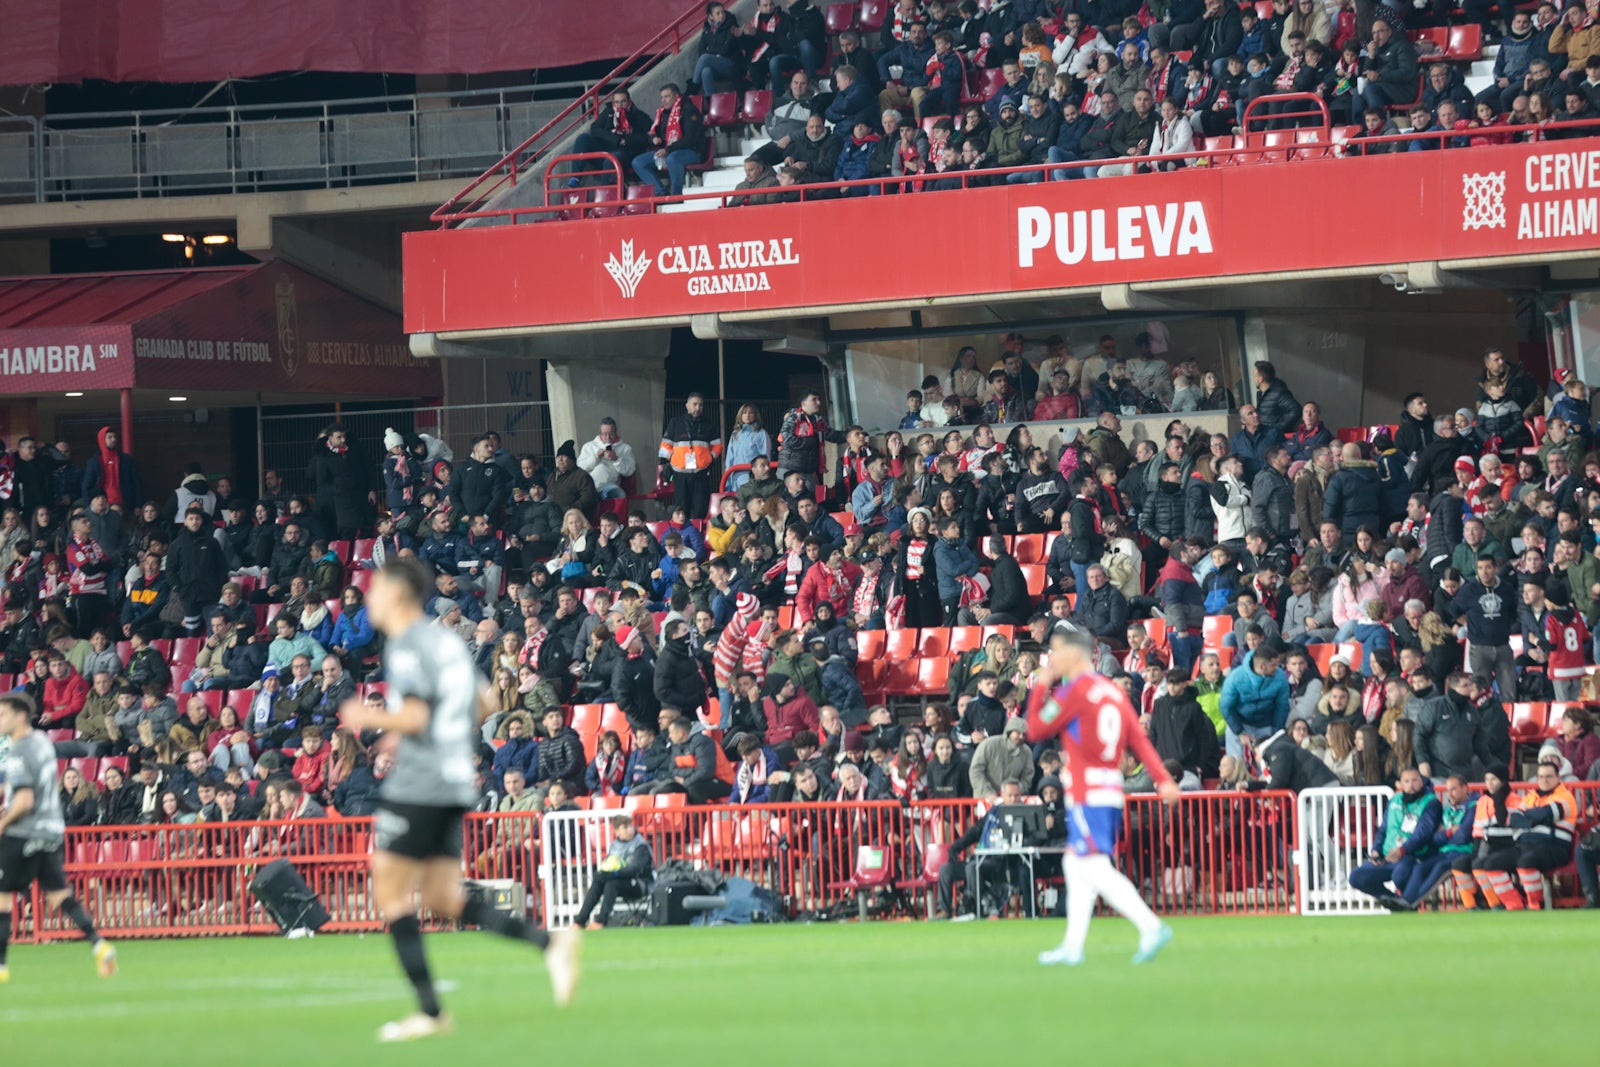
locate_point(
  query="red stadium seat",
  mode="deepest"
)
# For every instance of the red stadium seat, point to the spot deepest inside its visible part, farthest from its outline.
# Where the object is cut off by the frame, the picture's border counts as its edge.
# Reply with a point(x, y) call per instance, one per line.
point(1465, 43)
point(1029, 548)
point(934, 855)
point(340, 550)
point(934, 643)
point(1034, 573)
point(873, 12)
point(605, 199)
point(872, 871)
point(965, 639)
point(723, 110)
point(1214, 628)
point(900, 645)
point(755, 105)
point(840, 17)
point(900, 678)
point(637, 193)
point(869, 644)
point(612, 718)
point(1527, 720)
point(933, 676)
point(361, 579)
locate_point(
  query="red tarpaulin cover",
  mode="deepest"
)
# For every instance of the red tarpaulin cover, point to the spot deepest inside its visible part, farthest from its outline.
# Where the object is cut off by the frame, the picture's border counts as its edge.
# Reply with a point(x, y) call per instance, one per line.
point(206, 40)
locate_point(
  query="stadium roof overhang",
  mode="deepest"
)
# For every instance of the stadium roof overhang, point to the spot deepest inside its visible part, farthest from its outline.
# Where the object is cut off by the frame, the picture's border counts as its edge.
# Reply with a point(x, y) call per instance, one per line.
point(270, 329)
point(1490, 216)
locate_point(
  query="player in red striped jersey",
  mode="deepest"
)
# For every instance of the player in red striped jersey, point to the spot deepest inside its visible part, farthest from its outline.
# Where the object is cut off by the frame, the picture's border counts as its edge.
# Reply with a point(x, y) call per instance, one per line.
point(1090, 717)
point(1567, 642)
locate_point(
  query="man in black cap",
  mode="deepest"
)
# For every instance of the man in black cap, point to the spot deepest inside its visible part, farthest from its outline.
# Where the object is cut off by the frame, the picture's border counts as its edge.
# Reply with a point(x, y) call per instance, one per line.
point(571, 486)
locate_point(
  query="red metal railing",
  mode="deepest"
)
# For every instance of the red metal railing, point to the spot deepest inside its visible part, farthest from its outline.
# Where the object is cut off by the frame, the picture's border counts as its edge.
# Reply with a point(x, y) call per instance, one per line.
point(504, 174)
point(1273, 146)
point(1214, 853)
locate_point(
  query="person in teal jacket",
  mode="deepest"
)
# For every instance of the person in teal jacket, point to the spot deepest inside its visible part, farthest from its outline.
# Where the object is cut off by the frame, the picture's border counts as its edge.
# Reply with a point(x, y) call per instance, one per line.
point(1416, 834)
point(1255, 698)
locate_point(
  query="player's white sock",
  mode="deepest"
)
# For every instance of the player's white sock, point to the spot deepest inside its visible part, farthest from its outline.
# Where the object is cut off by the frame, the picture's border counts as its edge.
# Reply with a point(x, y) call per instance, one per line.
point(1114, 887)
point(1081, 897)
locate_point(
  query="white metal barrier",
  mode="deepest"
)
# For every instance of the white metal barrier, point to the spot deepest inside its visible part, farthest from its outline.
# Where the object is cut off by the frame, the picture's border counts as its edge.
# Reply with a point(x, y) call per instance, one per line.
point(1337, 826)
point(571, 846)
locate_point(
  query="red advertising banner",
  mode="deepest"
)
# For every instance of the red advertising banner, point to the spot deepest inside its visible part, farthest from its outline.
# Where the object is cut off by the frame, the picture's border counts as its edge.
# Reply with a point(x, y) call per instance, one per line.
point(1198, 223)
point(209, 40)
point(272, 329)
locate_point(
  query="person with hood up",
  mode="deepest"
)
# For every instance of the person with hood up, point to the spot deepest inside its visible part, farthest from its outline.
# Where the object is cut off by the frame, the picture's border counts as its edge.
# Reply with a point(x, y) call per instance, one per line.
point(114, 471)
point(1255, 699)
point(839, 684)
point(794, 711)
point(1001, 758)
point(678, 682)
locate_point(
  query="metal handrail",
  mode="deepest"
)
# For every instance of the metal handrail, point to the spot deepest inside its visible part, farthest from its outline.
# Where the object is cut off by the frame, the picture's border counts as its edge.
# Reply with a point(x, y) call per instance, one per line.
point(503, 175)
point(1248, 145)
point(237, 148)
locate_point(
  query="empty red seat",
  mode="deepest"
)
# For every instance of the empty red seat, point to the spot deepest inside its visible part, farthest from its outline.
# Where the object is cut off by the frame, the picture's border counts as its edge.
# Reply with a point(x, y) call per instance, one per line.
point(873, 12)
point(605, 200)
point(1465, 43)
point(754, 106)
point(934, 643)
point(933, 676)
point(840, 17)
point(723, 109)
point(900, 644)
point(965, 639)
point(1035, 575)
point(869, 644)
point(340, 550)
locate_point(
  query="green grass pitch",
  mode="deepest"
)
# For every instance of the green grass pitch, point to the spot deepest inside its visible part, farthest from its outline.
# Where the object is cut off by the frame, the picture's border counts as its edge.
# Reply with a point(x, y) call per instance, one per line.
point(1434, 988)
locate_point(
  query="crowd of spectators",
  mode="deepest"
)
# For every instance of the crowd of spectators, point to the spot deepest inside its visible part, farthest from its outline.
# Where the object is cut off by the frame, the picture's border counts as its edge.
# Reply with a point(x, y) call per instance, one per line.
point(1093, 87)
point(1451, 558)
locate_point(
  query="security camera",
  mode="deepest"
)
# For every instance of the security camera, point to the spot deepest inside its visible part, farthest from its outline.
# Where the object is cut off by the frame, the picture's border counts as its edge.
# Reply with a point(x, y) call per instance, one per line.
point(1400, 282)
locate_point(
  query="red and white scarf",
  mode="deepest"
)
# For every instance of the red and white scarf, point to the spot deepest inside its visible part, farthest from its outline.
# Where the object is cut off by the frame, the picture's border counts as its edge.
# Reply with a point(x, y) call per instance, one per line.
point(1094, 506)
point(916, 549)
point(751, 775)
point(79, 554)
point(529, 656)
point(865, 599)
point(619, 121)
point(669, 120)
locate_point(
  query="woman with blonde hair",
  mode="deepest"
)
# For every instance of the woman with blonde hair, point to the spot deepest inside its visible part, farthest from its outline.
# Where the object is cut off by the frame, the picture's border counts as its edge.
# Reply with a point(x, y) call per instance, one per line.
point(575, 556)
point(509, 653)
point(506, 695)
point(747, 441)
point(80, 800)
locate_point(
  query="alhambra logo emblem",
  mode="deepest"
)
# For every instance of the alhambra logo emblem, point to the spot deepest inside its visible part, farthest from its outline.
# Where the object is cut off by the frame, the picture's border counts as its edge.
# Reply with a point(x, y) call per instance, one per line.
point(629, 271)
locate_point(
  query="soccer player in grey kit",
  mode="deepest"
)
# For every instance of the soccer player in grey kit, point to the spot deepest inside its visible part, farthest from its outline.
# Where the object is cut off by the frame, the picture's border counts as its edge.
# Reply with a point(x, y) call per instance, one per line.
point(435, 701)
point(33, 831)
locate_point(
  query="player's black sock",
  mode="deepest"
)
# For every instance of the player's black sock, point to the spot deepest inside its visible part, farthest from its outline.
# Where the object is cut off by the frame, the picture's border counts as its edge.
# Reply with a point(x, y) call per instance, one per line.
point(407, 934)
point(478, 913)
point(73, 910)
point(5, 935)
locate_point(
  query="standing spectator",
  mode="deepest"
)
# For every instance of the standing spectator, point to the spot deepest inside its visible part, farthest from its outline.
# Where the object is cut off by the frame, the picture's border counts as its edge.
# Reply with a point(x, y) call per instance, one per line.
point(484, 485)
point(1489, 611)
point(115, 471)
point(801, 439)
point(1272, 496)
point(1355, 494)
point(1277, 405)
point(88, 568)
point(690, 445)
point(32, 476)
point(339, 479)
point(1310, 492)
point(1436, 464)
point(197, 567)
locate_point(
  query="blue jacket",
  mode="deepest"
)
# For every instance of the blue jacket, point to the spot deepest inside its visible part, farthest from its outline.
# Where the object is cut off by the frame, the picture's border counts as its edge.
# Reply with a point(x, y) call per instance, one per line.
point(855, 103)
point(722, 603)
point(1251, 702)
point(471, 549)
point(1372, 637)
point(1071, 135)
point(1253, 449)
point(827, 527)
point(953, 559)
point(1355, 497)
point(914, 60)
point(842, 690)
point(854, 160)
point(441, 551)
point(352, 631)
point(691, 536)
point(521, 754)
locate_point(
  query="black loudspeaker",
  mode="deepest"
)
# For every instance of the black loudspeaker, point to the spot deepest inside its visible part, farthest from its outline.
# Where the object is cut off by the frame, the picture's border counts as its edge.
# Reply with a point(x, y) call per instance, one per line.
point(667, 903)
point(287, 898)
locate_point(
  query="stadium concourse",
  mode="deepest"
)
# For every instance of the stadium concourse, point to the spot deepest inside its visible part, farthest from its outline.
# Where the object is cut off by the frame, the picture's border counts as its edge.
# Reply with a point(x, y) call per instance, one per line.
point(835, 629)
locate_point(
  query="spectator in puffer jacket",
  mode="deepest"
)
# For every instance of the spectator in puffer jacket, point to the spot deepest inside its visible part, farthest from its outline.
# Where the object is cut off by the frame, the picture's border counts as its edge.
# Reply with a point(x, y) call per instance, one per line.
point(1279, 409)
point(1447, 725)
point(953, 559)
point(839, 684)
point(1255, 699)
point(561, 757)
point(1355, 493)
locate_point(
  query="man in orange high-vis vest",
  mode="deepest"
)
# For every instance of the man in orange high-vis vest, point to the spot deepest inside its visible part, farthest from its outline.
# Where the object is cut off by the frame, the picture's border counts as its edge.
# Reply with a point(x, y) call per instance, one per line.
point(1545, 820)
point(1491, 832)
point(690, 445)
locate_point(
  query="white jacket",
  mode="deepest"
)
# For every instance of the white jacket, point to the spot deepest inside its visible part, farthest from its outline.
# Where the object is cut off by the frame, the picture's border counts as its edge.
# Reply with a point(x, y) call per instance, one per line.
point(1233, 517)
point(1172, 138)
point(606, 472)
